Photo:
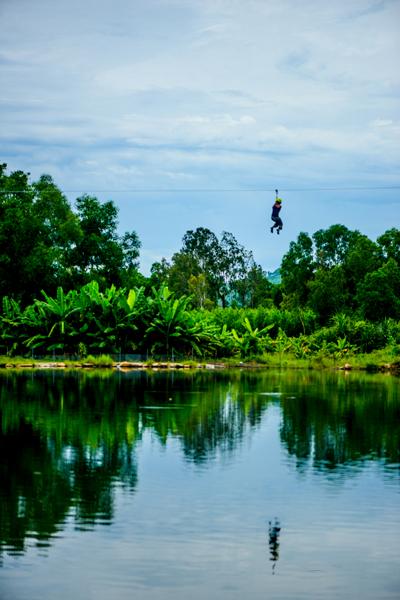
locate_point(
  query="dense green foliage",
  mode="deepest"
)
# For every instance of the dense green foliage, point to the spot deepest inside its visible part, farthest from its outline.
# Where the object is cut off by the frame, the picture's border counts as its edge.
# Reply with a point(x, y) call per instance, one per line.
point(44, 243)
point(214, 272)
point(159, 323)
point(343, 271)
point(70, 285)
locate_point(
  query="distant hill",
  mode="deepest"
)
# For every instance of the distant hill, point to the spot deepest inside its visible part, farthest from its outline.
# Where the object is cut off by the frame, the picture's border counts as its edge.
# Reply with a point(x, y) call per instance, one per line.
point(274, 276)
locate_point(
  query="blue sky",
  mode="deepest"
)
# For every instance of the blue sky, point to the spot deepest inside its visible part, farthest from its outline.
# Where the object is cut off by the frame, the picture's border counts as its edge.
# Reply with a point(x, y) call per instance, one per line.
point(204, 96)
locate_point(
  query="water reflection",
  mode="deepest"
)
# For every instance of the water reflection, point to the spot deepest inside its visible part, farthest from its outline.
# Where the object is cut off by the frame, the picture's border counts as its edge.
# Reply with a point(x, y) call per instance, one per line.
point(345, 424)
point(274, 531)
point(68, 438)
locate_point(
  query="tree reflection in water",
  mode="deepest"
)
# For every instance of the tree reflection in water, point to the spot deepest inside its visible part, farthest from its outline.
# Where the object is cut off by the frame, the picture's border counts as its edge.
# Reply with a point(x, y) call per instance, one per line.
point(69, 437)
point(346, 423)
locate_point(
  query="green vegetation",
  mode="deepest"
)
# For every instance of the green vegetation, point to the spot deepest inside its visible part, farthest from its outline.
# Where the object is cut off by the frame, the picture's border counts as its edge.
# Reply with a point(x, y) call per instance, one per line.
point(45, 244)
point(99, 361)
point(70, 286)
point(90, 322)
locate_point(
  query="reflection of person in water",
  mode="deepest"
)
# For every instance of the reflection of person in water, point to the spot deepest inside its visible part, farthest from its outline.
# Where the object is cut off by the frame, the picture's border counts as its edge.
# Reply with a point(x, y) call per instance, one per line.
point(274, 530)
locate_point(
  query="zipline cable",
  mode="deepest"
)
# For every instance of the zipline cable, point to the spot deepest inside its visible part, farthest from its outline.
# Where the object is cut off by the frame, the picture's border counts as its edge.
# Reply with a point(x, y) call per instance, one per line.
point(214, 190)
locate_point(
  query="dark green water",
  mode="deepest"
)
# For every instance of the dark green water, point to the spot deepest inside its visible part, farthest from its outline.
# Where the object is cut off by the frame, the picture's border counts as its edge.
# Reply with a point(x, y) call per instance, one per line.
point(216, 485)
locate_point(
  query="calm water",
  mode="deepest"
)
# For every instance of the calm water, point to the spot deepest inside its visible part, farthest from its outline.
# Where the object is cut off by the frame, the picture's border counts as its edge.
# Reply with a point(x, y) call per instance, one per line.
point(217, 485)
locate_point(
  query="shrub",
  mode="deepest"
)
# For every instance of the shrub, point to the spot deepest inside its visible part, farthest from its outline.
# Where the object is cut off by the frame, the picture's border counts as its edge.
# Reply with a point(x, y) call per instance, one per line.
point(99, 361)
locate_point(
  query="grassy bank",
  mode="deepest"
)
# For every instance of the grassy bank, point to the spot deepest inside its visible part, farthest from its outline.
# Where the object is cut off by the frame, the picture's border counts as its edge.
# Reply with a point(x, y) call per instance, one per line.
point(379, 360)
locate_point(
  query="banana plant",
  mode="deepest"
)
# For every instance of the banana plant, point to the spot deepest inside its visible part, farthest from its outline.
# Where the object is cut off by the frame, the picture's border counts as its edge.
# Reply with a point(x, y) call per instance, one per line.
point(56, 313)
point(169, 327)
point(252, 341)
point(111, 319)
point(59, 309)
point(342, 323)
point(300, 347)
point(282, 344)
point(222, 342)
point(10, 324)
point(342, 347)
point(34, 324)
point(97, 322)
point(202, 338)
point(130, 315)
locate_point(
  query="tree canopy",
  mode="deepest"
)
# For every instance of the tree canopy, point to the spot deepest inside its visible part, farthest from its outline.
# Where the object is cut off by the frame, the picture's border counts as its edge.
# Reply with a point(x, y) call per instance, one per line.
point(341, 271)
point(215, 271)
point(45, 243)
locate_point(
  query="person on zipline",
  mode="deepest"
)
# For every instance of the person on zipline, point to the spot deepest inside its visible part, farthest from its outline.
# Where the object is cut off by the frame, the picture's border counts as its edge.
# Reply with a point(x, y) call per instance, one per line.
point(275, 215)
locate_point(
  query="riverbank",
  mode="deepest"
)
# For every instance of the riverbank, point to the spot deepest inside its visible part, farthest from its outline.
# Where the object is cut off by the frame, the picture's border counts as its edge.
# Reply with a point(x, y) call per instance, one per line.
point(375, 362)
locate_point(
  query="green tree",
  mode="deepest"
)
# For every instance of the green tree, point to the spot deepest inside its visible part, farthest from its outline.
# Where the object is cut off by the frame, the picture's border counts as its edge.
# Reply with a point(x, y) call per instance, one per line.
point(328, 292)
point(254, 289)
point(183, 267)
point(198, 289)
point(98, 255)
point(234, 266)
point(159, 273)
point(332, 245)
point(363, 257)
point(225, 263)
point(130, 244)
point(101, 254)
point(37, 231)
point(297, 270)
point(378, 294)
point(203, 246)
point(44, 244)
point(390, 244)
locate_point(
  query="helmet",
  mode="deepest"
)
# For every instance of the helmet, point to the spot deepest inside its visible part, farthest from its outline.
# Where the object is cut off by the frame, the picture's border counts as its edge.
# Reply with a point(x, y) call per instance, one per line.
point(278, 200)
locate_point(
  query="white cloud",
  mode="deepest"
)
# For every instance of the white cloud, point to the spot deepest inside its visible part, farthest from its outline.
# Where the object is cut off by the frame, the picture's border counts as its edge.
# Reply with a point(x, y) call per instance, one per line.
point(209, 92)
point(383, 123)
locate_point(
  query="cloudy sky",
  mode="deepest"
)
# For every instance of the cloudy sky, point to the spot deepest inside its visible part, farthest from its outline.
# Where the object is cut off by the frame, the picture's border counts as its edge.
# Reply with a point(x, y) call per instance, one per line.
point(189, 113)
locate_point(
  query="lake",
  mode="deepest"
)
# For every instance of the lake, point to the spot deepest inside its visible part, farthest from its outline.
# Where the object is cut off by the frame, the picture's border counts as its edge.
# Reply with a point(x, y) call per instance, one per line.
point(201, 484)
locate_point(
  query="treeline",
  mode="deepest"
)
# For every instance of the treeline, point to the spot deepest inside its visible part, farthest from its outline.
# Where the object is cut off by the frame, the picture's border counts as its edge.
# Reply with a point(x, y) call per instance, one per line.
point(70, 284)
point(45, 243)
point(342, 271)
